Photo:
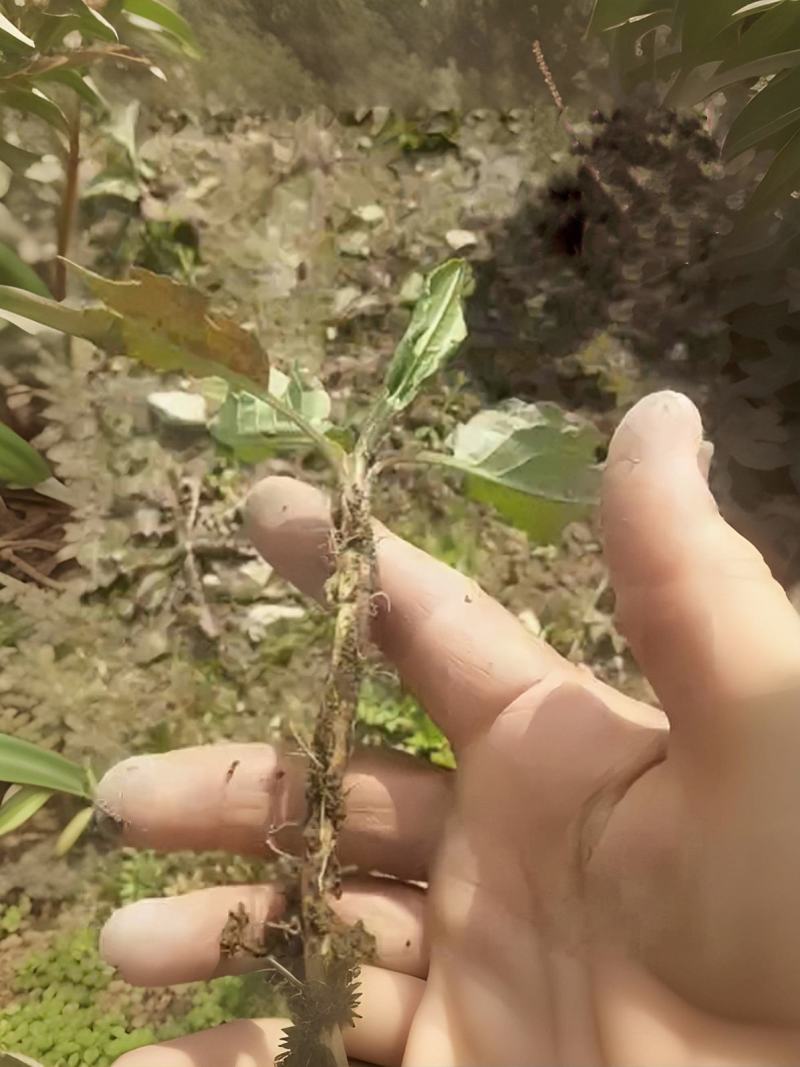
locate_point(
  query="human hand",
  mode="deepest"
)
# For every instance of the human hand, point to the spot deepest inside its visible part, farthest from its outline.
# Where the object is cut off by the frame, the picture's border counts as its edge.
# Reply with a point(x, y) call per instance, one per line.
point(607, 884)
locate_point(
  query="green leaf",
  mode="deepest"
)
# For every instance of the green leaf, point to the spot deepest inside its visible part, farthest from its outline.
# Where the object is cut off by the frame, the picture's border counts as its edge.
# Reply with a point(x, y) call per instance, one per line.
point(55, 27)
point(780, 181)
point(252, 429)
point(702, 22)
point(754, 7)
point(771, 40)
point(14, 272)
point(610, 14)
point(434, 335)
point(17, 159)
point(74, 829)
point(11, 35)
point(534, 464)
point(168, 326)
point(80, 84)
point(25, 764)
point(94, 23)
point(95, 324)
point(20, 464)
point(775, 108)
point(167, 19)
point(34, 102)
point(22, 806)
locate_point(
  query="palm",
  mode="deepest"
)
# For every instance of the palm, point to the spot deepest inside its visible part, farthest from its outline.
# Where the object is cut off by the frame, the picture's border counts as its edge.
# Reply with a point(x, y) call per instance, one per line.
point(607, 884)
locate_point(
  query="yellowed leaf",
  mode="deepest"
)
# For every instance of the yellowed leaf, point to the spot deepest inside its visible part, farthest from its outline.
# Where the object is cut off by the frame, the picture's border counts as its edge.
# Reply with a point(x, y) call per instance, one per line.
point(168, 326)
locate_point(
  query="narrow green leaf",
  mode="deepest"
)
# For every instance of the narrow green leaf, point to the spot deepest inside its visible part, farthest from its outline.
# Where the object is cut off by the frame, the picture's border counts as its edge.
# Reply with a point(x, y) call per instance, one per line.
point(534, 464)
point(82, 85)
point(21, 807)
point(34, 102)
point(167, 18)
point(25, 764)
point(20, 464)
point(94, 23)
point(17, 159)
point(95, 324)
point(702, 22)
point(754, 7)
point(772, 38)
point(9, 33)
point(610, 14)
point(14, 272)
point(780, 181)
point(434, 335)
point(74, 830)
point(775, 108)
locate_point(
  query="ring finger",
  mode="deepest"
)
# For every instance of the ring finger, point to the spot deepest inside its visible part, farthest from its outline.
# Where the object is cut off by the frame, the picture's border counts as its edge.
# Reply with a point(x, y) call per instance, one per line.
point(171, 940)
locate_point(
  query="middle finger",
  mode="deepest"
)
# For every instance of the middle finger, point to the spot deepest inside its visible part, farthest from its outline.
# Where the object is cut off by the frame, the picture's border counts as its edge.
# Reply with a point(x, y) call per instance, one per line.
point(242, 797)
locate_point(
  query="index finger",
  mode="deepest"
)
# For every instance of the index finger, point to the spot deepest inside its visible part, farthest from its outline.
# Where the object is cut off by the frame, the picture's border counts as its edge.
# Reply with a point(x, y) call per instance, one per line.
point(463, 655)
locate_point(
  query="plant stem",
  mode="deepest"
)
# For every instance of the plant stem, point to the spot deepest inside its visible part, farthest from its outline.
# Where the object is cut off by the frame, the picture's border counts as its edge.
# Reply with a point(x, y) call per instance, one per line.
point(332, 452)
point(350, 591)
point(69, 202)
point(330, 954)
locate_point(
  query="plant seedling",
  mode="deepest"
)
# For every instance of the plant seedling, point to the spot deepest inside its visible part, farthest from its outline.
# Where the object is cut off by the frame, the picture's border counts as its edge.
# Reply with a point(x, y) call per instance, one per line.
point(510, 456)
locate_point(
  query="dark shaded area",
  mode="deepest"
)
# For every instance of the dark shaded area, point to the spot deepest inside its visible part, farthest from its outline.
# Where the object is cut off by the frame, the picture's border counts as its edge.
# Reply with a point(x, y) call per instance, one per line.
point(621, 245)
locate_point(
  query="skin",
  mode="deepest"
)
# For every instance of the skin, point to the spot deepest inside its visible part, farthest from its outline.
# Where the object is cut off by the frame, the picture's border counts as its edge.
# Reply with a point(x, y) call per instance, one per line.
point(606, 883)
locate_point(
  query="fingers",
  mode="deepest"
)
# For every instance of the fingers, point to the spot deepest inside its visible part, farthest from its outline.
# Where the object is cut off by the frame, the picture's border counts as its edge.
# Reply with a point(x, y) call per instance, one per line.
point(462, 654)
point(232, 796)
point(707, 622)
point(171, 940)
point(388, 1004)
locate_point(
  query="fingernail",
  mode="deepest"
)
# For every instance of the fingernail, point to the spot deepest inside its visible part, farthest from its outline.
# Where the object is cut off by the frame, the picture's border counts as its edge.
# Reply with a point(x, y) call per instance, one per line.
point(662, 422)
point(139, 773)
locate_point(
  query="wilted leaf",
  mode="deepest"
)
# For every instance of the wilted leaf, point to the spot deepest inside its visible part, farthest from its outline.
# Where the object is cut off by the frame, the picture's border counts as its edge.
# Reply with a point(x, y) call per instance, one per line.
point(21, 807)
point(534, 464)
point(25, 764)
point(252, 429)
point(168, 326)
point(167, 19)
point(74, 829)
point(436, 331)
point(18, 274)
point(20, 464)
point(76, 59)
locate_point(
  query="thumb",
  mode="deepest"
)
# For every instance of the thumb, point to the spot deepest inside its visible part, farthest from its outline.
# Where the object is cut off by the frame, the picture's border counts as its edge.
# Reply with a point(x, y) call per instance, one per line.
point(709, 625)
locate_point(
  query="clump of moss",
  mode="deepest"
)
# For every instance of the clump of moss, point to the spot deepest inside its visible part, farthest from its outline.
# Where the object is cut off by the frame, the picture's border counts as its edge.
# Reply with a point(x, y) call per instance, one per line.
point(68, 1010)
